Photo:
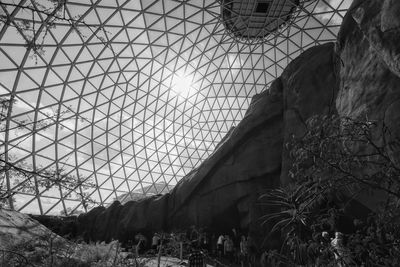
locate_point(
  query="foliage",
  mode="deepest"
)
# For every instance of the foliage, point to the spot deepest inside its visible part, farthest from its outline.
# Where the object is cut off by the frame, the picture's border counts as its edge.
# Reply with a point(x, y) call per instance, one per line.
point(34, 21)
point(37, 18)
point(335, 161)
point(345, 154)
point(55, 251)
point(52, 250)
point(293, 207)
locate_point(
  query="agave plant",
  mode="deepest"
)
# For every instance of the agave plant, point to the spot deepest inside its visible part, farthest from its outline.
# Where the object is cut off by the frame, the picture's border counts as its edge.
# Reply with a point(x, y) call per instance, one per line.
point(294, 206)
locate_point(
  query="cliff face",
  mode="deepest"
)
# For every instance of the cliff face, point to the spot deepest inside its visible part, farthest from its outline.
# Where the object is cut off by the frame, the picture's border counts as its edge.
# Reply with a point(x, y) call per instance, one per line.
point(223, 192)
point(359, 77)
point(370, 53)
point(369, 48)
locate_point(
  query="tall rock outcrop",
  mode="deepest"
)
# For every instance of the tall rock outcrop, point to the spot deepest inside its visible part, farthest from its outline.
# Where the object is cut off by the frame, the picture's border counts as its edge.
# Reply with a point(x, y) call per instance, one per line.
point(223, 193)
point(369, 49)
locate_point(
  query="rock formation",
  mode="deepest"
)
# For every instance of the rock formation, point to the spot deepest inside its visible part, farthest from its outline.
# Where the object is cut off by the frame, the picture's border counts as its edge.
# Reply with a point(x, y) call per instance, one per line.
point(370, 53)
point(369, 49)
point(358, 77)
point(17, 228)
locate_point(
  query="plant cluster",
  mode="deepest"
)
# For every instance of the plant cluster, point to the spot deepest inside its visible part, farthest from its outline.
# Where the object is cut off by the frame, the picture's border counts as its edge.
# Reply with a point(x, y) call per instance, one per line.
point(52, 250)
point(337, 163)
point(37, 19)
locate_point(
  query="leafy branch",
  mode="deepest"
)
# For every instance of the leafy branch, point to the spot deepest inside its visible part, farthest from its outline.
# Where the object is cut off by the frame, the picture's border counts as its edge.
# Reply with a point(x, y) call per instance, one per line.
point(31, 28)
point(335, 161)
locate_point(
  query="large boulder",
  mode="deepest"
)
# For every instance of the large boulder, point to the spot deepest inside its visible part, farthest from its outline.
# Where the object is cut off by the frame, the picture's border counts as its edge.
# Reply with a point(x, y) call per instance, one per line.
point(370, 76)
point(223, 193)
point(369, 48)
point(18, 228)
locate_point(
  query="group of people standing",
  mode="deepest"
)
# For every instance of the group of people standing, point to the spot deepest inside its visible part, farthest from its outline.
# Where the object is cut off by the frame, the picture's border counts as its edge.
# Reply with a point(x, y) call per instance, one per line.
point(236, 249)
point(230, 248)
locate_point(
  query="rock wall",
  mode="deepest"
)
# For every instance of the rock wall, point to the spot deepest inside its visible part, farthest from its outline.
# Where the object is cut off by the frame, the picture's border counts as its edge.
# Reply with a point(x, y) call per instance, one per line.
point(17, 228)
point(223, 193)
point(369, 49)
point(310, 85)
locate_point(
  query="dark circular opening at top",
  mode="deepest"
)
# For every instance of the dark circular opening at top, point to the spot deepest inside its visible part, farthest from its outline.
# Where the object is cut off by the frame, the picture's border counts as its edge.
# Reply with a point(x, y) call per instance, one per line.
point(256, 19)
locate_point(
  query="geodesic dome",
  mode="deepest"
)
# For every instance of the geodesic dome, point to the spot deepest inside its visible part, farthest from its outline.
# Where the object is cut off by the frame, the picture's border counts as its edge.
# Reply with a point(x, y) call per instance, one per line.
point(115, 99)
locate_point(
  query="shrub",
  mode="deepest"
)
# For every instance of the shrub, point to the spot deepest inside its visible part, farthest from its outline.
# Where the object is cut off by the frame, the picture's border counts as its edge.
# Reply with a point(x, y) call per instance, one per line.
point(55, 251)
point(335, 161)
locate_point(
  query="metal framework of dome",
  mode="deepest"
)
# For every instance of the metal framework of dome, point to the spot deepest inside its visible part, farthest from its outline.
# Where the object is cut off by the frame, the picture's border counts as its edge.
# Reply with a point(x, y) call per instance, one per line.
point(112, 99)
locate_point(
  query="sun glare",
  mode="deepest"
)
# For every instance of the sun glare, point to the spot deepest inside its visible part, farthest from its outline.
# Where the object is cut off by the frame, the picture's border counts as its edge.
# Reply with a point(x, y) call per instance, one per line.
point(182, 84)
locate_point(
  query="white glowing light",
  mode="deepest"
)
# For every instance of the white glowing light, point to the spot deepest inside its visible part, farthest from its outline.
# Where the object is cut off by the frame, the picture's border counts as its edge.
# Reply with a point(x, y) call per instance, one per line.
point(182, 84)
